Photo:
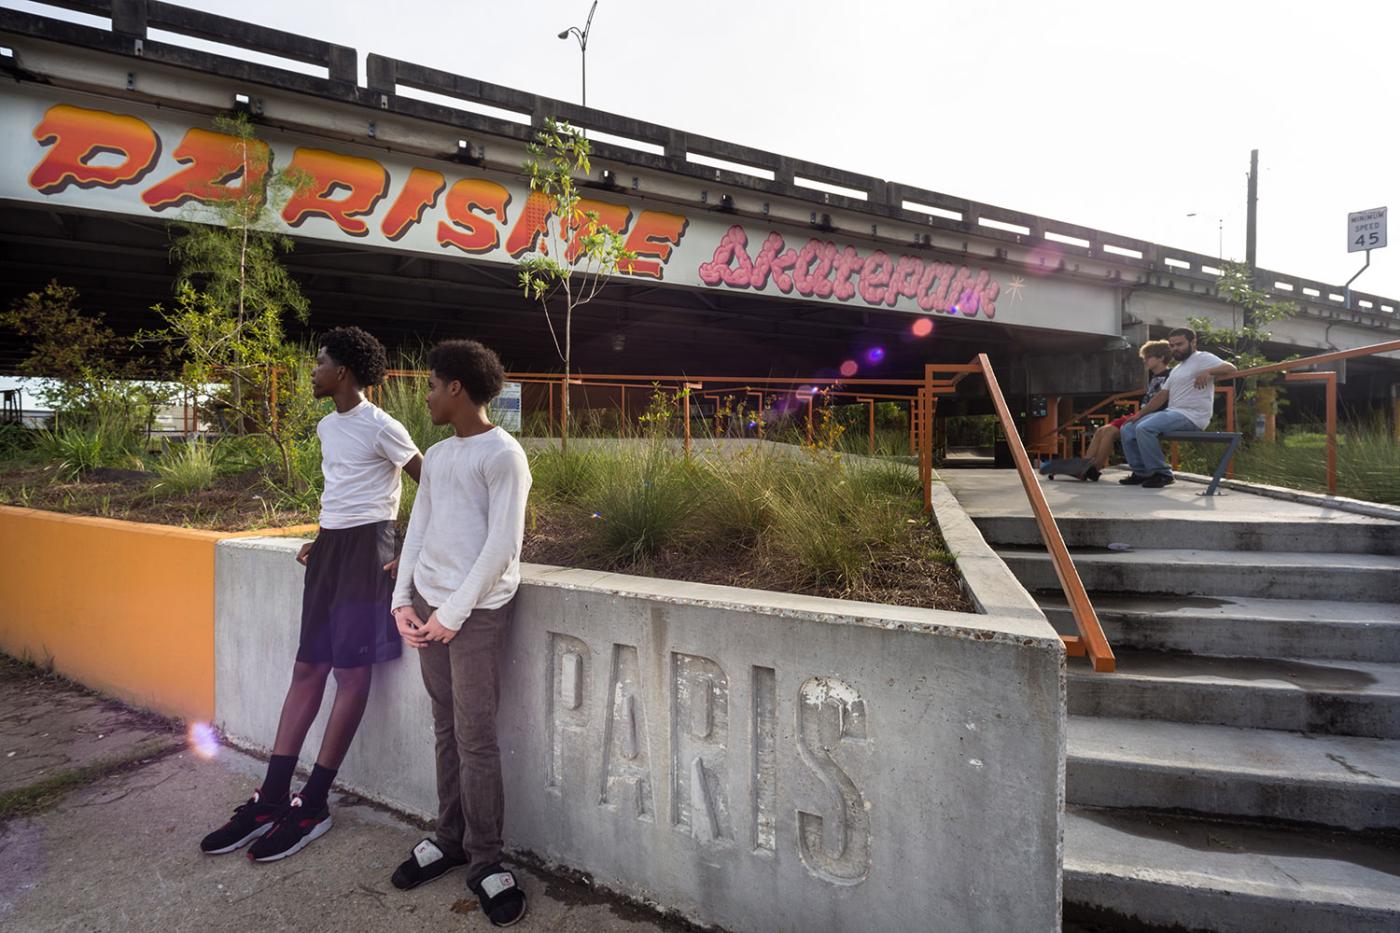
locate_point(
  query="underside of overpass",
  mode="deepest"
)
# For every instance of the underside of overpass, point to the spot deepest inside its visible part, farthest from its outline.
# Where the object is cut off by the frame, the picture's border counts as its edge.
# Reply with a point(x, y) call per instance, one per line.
point(121, 267)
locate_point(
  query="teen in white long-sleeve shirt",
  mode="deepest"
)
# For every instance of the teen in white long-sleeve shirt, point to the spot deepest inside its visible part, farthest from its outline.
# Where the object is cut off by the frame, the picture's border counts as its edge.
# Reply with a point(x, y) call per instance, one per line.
point(458, 575)
point(462, 551)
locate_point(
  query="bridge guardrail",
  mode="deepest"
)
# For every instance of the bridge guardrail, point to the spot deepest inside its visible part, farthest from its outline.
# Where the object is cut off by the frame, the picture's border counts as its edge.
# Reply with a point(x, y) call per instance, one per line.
point(1056, 241)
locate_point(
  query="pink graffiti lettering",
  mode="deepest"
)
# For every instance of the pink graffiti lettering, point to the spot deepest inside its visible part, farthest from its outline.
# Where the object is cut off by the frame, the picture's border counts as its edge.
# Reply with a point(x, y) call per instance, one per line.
point(821, 269)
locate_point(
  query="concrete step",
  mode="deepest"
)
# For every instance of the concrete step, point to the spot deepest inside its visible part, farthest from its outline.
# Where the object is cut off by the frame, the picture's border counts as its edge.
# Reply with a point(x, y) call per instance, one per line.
point(1242, 626)
point(1189, 572)
point(1345, 782)
point(1315, 696)
point(1334, 532)
point(1190, 874)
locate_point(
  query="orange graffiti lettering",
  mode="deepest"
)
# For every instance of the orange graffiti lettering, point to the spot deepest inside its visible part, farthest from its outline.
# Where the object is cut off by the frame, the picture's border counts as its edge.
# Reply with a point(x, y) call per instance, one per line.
point(655, 235)
point(419, 193)
point(534, 220)
point(213, 161)
point(78, 136)
point(477, 234)
point(612, 216)
point(362, 181)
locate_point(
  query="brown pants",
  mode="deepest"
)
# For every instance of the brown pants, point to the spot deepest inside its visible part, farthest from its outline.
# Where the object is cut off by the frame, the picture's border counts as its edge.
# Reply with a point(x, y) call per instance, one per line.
point(463, 681)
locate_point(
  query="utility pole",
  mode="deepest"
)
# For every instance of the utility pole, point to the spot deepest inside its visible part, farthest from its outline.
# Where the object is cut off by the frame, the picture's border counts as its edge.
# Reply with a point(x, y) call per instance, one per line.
point(1251, 224)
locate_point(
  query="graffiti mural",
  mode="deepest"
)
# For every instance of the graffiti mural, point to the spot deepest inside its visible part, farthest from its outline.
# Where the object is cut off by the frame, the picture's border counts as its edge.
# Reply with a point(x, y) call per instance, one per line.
point(70, 151)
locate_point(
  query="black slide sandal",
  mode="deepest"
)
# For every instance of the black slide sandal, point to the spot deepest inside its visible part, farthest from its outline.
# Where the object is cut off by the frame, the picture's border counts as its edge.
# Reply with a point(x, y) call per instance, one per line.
point(426, 863)
point(501, 898)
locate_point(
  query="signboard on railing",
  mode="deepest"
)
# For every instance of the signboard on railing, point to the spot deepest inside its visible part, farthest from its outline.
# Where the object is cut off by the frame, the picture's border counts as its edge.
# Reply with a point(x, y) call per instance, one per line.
point(505, 408)
point(75, 151)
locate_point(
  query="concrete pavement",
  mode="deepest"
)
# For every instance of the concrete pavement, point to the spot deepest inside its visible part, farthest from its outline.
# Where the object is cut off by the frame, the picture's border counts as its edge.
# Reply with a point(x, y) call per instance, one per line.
point(110, 840)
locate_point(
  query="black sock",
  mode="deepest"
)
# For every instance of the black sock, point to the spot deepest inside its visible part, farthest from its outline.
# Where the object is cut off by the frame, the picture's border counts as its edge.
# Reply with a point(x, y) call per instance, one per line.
point(278, 782)
point(318, 787)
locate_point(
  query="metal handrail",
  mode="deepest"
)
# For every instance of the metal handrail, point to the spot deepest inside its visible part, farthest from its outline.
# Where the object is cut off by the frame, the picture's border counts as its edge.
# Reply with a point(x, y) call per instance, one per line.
point(1091, 640)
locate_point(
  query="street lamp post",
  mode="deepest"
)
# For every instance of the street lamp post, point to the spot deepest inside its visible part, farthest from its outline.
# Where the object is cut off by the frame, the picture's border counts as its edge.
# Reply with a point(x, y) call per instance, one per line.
point(582, 36)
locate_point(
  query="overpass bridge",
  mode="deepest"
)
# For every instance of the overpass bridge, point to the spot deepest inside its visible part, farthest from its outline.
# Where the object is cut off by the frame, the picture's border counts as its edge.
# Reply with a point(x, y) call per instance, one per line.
point(748, 261)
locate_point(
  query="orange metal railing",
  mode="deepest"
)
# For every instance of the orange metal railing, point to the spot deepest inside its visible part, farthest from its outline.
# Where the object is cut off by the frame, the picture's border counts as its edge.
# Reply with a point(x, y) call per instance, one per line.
point(1091, 640)
point(1289, 369)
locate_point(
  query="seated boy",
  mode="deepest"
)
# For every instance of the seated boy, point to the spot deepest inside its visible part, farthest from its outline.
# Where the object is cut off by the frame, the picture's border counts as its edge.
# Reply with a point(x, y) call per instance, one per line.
point(457, 578)
point(1154, 355)
point(346, 626)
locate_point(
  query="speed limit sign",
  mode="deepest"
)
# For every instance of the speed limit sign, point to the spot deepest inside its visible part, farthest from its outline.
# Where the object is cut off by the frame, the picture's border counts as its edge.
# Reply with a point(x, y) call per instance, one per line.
point(1366, 230)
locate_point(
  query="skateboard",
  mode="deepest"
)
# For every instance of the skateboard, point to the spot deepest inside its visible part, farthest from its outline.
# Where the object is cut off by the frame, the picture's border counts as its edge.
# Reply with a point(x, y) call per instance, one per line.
point(1075, 466)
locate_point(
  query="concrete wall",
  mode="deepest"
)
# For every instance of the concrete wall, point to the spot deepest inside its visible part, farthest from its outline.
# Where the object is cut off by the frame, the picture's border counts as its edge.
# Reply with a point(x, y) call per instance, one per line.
point(756, 760)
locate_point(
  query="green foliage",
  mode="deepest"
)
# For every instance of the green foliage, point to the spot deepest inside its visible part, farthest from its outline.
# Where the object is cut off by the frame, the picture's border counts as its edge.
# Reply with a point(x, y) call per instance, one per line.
point(1368, 461)
point(76, 451)
point(577, 253)
point(644, 504)
point(229, 247)
point(642, 500)
point(90, 383)
point(232, 295)
point(66, 344)
point(1240, 343)
point(186, 467)
point(403, 398)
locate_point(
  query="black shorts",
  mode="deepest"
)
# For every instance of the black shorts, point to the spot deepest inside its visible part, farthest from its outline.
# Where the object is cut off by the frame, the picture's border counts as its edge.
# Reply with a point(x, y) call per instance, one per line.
point(345, 607)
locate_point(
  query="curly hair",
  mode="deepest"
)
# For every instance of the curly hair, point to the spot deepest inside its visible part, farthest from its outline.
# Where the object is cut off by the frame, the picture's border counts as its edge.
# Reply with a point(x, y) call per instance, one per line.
point(476, 367)
point(1158, 348)
point(358, 351)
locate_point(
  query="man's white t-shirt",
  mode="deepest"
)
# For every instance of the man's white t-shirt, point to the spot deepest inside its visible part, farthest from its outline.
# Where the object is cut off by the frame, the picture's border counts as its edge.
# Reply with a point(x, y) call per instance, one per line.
point(1182, 394)
point(462, 550)
point(362, 452)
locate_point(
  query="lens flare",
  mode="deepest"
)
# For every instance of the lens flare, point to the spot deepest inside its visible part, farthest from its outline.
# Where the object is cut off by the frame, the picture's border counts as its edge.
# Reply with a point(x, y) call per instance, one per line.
point(875, 354)
point(203, 740)
point(849, 368)
point(923, 327)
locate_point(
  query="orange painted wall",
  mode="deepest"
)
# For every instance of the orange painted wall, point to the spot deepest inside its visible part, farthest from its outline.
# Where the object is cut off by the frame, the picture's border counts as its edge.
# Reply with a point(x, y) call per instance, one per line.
point(124, 608)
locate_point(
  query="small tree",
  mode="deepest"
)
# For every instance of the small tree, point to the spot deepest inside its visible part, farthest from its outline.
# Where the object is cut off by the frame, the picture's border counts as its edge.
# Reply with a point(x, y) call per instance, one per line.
point(1240, 343)
point(91, 370)
point(233, 292)
point(576, 254)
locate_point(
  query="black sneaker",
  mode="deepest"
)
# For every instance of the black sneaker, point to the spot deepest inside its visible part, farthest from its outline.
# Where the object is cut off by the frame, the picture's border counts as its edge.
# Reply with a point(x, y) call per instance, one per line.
point(296, 828)
point(248, 822)
point(1092, 474)
point(1158, 480)
point(427, 863)
point(1132, 479)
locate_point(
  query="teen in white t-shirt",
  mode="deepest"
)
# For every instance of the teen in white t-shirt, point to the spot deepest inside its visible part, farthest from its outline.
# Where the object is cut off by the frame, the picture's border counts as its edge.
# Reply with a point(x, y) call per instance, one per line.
point(1184, 404)
point(346, 626)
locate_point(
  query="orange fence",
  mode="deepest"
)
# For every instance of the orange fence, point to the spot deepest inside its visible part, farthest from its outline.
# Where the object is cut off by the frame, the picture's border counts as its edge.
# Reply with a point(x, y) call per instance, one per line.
point(1290, 370)
point(922, 398)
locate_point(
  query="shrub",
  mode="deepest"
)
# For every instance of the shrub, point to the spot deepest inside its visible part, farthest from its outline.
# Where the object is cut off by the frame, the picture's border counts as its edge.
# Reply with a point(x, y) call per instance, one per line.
point(568, 476)
point(74, 451)
point(648, 494)
point(186, 467)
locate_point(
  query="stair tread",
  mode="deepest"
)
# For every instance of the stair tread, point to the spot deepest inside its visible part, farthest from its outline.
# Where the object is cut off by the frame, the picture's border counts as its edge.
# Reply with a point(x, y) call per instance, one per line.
point(1273, 560)
point(1345, 761)
point(1236, 607)
point(1308, 866)
point(1282, 674)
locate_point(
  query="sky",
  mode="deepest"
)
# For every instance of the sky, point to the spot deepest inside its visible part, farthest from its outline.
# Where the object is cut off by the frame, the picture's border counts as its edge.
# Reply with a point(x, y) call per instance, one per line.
point(1122, 116)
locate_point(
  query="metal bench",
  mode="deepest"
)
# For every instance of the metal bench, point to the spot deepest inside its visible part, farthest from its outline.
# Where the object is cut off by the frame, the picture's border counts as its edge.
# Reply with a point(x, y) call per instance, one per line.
point(1232, 438)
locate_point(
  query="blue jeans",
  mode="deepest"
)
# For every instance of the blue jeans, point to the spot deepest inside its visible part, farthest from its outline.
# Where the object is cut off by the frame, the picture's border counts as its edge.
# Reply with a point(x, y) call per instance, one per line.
point(1141, 446)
